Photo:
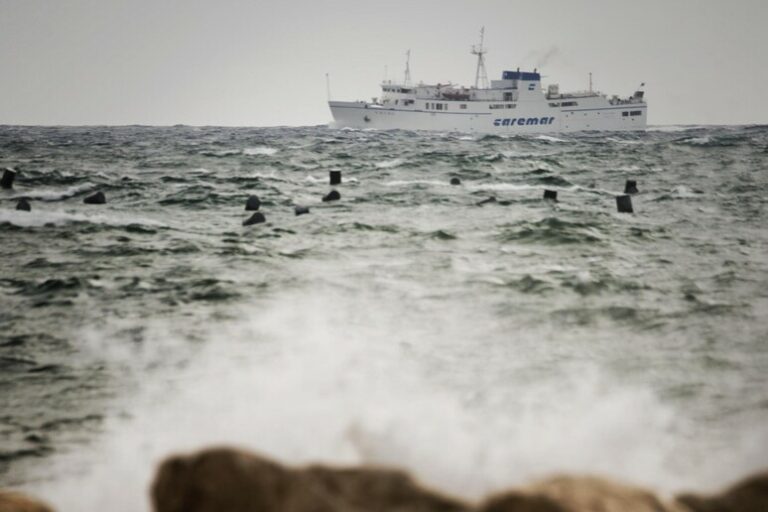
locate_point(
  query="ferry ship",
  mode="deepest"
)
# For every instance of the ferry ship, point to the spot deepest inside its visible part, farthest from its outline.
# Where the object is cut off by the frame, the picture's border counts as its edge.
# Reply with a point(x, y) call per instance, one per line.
point(516, 104)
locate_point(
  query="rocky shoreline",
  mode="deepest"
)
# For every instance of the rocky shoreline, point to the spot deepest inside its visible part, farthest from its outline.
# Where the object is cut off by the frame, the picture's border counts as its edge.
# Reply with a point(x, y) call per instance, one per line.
point(233, 480)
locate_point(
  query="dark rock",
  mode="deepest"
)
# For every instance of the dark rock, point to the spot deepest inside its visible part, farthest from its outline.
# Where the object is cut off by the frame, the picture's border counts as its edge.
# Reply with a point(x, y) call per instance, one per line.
point(491, 199)
point(333, 195)
point(256, 218)
point(8, 176)
point(253, 203)
point(97, 198)
point(749, 495)
point(519, 502)
point(17, 502)
point(624, 204)
point(455, 181)
point(630, 187)
point(577, 494)
point(550, 195)
point(335, 177)
point(223, 479)
point(300, 210)
point(24, 205)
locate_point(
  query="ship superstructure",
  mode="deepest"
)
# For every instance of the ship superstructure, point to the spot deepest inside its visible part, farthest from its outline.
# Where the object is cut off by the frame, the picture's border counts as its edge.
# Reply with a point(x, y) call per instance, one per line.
point(515, 104)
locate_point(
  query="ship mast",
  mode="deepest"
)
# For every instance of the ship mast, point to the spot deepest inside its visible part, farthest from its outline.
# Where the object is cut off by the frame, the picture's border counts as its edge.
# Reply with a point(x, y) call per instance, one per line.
point(481, 76)
point(407, 80)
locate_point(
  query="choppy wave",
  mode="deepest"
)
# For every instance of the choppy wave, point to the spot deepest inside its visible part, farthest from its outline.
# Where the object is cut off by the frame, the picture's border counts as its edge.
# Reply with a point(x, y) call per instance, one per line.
point(389, 164)
point(408, 316)
point(260, 150)
point(53, 194)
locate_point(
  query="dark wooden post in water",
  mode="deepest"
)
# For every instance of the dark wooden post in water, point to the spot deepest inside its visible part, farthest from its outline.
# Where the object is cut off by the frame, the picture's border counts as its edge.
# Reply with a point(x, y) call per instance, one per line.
point(624, 204)
point(23, 205)
point(335, 177)
point(252, 204)
point(630, 187)
point(8, 177)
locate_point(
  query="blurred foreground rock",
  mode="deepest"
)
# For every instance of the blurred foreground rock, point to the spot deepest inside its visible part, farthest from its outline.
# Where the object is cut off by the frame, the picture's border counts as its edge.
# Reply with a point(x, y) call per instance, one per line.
point(749, 495)
point(229, 480)
point(15, 502)
point(226, 480)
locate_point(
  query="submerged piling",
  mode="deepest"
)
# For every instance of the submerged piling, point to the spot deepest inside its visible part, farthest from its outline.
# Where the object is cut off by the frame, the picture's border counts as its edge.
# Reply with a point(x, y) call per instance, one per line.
point(256, 218)
point(550, 195)
point(97, 198)
point(489, 200)
point(23, 205)
point(630, 187)
point(333, 195)
point(334, 177)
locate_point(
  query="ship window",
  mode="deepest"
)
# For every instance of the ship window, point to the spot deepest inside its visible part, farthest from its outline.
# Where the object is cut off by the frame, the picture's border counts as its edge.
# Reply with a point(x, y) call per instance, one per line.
point(396, 102)
point(463, 106)
point(554, 104)
point(636, 113)
point(569, 103)
point(406, 91)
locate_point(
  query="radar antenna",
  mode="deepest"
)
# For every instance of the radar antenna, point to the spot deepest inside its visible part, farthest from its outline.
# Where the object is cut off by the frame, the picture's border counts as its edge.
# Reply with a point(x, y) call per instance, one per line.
point(481, 76)
point(407, 80)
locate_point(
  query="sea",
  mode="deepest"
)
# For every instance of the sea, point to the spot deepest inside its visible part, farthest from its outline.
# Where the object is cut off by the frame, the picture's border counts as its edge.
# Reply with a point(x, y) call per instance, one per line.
point(473, 334)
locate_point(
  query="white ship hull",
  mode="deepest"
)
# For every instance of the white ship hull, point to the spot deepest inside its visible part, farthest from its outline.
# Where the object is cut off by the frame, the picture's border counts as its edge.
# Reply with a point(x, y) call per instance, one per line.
point(593, 113)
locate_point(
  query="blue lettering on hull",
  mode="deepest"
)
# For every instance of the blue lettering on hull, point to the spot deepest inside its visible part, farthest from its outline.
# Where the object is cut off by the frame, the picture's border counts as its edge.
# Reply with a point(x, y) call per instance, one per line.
point(523, 121)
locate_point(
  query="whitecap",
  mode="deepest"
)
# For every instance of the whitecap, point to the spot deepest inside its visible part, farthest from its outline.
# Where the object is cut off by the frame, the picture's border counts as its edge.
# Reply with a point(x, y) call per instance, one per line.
point(54, 194)
point(699, 141)
point(684, 192)
point(670, 128)
point(549, 138)
point(504, 186)
point(399, 183)
point(223, 152)
point(389, 164)
point(38, 218)
point(260, 150)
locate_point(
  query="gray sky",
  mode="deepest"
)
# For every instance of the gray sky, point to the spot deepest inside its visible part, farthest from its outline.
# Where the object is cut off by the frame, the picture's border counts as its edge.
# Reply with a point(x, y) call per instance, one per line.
point(263, 63)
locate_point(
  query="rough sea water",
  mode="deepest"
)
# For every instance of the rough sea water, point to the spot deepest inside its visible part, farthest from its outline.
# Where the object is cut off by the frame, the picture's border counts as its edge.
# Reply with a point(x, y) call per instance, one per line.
point(478, 346)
